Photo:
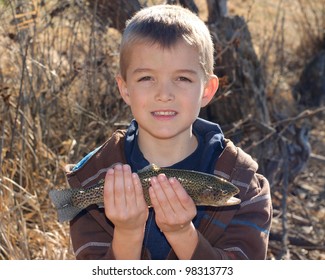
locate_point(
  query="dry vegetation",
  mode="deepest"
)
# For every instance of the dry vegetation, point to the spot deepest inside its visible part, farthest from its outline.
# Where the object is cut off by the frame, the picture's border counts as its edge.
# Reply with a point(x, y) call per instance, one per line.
point(286, 35)
point(58, 100)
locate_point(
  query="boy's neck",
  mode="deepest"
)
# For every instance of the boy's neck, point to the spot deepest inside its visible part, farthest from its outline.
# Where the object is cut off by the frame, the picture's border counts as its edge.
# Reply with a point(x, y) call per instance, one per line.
point(166, 152)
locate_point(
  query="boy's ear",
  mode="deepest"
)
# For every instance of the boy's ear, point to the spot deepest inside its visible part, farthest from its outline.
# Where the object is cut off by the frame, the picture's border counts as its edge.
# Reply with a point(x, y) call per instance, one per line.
point(210, 89)
point(123, 89)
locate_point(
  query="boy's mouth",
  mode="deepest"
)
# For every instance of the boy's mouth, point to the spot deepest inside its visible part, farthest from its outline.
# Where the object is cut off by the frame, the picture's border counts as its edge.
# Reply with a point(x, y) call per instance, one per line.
point(164, 113)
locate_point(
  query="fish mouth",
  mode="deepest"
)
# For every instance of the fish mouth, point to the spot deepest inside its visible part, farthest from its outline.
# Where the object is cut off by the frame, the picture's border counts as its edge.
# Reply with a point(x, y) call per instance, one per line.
point(232, 201)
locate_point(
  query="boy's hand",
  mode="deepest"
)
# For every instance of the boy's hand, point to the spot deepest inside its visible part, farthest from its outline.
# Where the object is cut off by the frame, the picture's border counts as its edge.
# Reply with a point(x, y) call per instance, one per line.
point(175, 211)
point(123, 199)
point(127, 209)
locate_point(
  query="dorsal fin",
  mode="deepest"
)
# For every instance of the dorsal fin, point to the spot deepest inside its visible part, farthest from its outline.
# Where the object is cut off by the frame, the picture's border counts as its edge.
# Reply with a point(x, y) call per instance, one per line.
point(149, 167)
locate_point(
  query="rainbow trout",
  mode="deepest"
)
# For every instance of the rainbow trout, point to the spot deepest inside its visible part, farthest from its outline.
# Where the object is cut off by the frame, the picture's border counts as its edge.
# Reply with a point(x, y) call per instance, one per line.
point(204, 189)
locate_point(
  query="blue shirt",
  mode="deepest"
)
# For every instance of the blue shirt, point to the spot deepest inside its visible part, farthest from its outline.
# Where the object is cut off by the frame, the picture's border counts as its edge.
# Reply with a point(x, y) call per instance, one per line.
point(210, 145)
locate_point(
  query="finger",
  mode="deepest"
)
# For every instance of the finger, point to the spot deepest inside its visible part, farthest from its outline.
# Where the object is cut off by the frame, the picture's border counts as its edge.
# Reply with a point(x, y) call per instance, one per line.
point(128, 186)
point(153, 198)
point(170, 215)
point(185, 200)
point(160, 215)
point(109, 200)
point(119, 191)
point(180, 204)
point(138, 189)
point(170, 194)
point(187, 210)
point(161, 202)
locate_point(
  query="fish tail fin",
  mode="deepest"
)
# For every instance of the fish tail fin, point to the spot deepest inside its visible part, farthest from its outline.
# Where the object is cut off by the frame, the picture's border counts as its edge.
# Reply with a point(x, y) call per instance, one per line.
point(62, 200)
point(68, 213)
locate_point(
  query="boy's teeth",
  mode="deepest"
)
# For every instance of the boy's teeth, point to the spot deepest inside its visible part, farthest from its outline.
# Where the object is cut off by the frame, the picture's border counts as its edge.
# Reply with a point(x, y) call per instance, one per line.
point(165, 113)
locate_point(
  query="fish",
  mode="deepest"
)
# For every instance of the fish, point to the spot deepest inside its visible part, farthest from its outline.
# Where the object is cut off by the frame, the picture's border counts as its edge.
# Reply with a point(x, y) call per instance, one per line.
point(205, 190)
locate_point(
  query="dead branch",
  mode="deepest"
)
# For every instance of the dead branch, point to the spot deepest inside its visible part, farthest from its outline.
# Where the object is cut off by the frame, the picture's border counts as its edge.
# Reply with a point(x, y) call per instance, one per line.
point(303, 115)
point(317, 157)
point(301, 242)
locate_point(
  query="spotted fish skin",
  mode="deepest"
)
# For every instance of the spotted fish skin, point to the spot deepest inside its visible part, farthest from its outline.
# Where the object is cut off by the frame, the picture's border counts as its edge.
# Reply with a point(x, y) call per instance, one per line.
point(204, 189)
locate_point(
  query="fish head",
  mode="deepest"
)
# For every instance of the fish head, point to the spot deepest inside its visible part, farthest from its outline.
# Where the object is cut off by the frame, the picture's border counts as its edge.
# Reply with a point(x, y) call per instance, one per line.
point(217, 196)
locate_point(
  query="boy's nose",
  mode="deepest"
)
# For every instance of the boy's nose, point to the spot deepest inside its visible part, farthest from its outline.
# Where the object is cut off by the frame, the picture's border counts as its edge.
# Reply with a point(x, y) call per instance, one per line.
point(165, 92)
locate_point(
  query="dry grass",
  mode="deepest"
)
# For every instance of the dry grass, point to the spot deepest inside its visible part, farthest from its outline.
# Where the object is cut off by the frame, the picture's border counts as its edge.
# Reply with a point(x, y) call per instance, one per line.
point(286, 34)
point(58, 100)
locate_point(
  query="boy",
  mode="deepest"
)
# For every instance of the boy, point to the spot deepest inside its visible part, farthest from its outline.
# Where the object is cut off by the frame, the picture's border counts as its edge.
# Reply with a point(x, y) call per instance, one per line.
point(166, 76)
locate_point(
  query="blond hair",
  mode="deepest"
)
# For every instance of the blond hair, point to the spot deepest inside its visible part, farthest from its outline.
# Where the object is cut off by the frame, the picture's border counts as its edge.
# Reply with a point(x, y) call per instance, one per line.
point(165, 25)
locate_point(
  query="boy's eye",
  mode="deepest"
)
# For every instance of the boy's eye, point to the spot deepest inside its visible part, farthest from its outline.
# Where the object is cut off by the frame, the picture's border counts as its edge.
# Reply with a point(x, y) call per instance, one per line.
point(184, 79)
point(146, 78)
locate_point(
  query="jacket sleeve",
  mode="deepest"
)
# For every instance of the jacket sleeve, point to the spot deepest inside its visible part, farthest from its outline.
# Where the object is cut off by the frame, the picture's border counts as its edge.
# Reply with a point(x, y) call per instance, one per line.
point(92, 234)
point(89, 239)
point(241, 233)
point(238, 232)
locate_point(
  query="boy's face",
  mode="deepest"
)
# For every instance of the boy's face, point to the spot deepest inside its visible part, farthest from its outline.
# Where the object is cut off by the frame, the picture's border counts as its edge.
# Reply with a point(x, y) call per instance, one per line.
point(165, 89)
